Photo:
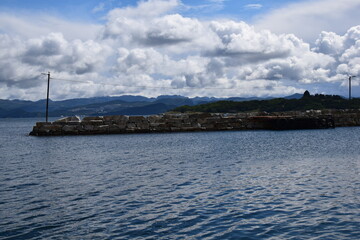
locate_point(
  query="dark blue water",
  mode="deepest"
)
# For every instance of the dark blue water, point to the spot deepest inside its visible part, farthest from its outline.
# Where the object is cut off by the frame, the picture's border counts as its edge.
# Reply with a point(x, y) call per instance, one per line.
point(214, 185)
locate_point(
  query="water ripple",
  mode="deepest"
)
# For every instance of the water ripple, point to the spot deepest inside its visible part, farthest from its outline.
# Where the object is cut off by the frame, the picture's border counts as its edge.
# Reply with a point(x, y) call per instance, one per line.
point(222, 185)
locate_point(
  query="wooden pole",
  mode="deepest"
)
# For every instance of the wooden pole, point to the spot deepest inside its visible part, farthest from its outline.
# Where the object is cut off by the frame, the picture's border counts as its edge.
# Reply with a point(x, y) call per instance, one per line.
point(350, 87)
point(47, 97)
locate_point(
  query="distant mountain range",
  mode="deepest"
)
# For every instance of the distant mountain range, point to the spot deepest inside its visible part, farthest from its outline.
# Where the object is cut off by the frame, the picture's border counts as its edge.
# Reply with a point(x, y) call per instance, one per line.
point(122, 105)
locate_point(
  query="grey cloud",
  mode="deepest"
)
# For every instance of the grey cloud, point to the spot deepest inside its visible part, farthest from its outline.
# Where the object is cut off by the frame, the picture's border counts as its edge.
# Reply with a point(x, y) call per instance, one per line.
point(55, 53)
point(284, 70)
point(158, 39)
point(46, 51)
point(269, 87)
point(7, 73)
point(213, 70)
point(196, 80)
point(85, 68)
point(48, 47)
point(241, 58)
point(216, 66)
point(161, 31)
point(22, 62)
point(13, 73)
point(16, 76)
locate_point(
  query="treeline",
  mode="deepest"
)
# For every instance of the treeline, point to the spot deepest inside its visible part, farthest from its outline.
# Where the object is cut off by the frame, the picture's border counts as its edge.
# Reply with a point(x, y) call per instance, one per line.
point(307, 102)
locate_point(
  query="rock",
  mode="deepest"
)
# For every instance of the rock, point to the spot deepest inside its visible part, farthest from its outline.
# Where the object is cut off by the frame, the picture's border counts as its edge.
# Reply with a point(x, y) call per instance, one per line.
point(88, 119)
point(100, 129)
point(114, 128)
point(199, 115)
point(159, 127)
point(40, 124)
point(131, 125)
point(68, 119)
point(116, 119)
point(136, 119)
point(46, 129)
point(155, 119)
point(88, 127)
point(210, 126)
point(95, 122)
point(121, 125)
point(143, 126)
point(70, 129)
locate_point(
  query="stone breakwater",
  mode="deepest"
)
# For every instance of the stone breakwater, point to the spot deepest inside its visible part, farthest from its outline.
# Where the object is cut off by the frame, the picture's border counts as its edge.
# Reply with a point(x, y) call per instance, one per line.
point(187, 122)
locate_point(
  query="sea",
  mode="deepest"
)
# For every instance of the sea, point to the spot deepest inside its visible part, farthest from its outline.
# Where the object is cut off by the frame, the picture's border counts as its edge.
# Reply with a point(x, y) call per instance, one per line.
point(299, 184)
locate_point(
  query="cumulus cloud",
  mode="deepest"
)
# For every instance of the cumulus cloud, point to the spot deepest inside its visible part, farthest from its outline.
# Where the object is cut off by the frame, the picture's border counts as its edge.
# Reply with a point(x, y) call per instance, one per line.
point(344, 49)
point(151, 49)
point(240, 39)
point(171, 29)
point(53, 52)
point(22, 61)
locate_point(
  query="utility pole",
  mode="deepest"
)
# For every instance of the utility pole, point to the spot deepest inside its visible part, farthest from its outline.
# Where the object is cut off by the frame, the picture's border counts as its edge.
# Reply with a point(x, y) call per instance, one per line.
point(47, 96)
point(350, 77)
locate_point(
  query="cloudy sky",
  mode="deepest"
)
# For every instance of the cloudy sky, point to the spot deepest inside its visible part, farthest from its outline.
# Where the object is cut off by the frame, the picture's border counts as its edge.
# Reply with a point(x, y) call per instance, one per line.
point(220, 48)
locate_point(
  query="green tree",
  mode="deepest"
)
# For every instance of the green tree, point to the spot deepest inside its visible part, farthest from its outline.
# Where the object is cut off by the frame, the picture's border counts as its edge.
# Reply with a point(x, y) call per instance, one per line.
point(306, 94)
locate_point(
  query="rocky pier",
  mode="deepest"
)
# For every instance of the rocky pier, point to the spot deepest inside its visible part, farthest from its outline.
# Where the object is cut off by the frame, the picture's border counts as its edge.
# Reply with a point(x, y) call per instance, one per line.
point(190, 122)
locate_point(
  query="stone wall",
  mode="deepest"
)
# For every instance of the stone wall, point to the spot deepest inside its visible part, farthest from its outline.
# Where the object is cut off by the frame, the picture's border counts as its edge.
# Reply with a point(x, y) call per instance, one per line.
point(196, 122)
point(341, 117)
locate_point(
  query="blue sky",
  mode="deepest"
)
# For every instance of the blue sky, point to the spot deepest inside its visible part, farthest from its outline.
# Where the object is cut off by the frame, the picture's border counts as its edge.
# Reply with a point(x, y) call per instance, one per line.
point(220, 48)
point(94, 10)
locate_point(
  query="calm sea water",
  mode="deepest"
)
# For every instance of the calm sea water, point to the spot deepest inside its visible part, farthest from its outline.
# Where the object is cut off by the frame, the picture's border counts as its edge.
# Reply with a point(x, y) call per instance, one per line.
point(213, 185)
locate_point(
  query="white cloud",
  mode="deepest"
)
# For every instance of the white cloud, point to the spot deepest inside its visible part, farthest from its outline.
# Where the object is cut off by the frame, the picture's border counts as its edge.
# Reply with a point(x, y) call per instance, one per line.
point(149, 30)
point(307, 19)
point(99, 8)
point(152, 45)
point(254, 6)
point(145, 9)
point(172, 29)
point(216, 1)
point(23, 61)
point(55, 53)
point(32, 26)
point(344, 49)
point(208, 7)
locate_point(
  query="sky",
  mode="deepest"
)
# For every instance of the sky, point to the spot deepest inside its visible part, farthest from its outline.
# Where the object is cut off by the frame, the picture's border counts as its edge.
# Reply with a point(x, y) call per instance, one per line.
point(213, 48)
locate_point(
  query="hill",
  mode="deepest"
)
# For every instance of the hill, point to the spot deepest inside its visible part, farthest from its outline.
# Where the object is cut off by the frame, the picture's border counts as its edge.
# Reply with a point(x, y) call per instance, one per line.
point(306, 102)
